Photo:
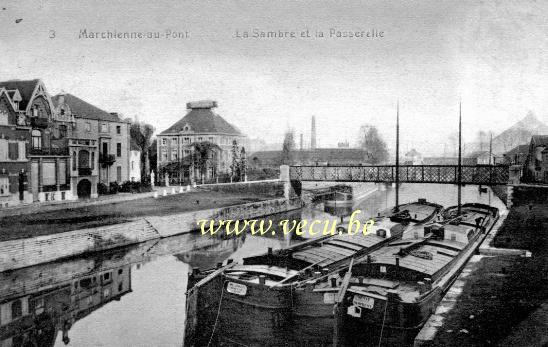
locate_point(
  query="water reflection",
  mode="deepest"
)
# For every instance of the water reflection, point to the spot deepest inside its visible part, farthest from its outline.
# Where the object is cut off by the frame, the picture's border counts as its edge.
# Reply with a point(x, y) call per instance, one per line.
point(136, 296)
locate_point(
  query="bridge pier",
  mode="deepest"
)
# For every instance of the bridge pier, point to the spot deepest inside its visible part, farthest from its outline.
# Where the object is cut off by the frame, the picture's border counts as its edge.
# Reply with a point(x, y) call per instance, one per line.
point(292, 188)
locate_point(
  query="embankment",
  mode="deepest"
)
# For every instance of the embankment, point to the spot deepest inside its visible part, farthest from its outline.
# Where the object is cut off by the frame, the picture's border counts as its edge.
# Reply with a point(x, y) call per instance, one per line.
point(25, 252)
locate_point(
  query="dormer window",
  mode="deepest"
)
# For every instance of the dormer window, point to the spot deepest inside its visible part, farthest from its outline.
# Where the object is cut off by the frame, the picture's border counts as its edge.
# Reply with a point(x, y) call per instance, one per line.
point(16, 105)
point(35, 112)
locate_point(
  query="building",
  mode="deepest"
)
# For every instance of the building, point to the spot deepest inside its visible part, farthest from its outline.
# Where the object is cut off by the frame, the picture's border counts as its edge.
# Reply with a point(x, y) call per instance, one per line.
point(536, 164)
point(134, 163)
point(516, 156)
point(479, 158)
point(178, 145)
point(319, 156)
point(35, 138)
point(99, 145)
point(413, 157)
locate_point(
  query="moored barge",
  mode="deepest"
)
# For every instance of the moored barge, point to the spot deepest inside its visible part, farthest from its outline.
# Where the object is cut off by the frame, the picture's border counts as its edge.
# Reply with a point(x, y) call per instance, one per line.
point(394, 290)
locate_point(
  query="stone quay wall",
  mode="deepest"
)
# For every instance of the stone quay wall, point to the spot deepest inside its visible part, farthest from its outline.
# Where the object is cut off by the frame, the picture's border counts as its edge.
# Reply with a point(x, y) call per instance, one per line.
point(21, 253)
point(269, 188)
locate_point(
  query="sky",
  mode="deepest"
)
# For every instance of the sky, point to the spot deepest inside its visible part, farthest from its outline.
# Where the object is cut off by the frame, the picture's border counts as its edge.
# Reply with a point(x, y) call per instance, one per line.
point(489, 55)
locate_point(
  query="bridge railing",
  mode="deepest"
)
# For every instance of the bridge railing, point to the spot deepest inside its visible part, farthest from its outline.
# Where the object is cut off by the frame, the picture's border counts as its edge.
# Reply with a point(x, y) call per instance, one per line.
point(448, 174)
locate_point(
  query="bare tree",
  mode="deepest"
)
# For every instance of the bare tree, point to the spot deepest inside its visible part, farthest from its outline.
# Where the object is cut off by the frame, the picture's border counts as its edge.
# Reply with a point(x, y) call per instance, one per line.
point(287, 148)
point(374, 145)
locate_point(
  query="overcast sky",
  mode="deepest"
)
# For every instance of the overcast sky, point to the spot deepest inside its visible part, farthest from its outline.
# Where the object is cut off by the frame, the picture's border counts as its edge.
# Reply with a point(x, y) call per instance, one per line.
point(492, 55)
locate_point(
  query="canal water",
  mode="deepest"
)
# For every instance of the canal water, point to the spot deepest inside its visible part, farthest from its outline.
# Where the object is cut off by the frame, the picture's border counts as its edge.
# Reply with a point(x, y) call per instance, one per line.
point(136, 296)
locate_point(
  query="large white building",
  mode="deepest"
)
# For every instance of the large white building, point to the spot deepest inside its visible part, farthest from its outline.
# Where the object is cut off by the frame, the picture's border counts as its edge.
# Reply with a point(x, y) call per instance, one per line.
point(201, 124)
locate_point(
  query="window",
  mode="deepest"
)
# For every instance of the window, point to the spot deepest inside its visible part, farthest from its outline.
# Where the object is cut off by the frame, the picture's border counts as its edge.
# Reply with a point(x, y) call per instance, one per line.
point(187, 140)
point(62, 131)
point(120, 271)
point(132, 165)
point(36, 139)
point(16, 309)
point(174, 140)
point(200, 139)
point(104, 127)
point(120, 286)
point(83, 159)
point(164, 142)
point(73, 161)
point(119, 174)
point(92, 160)
point(4, 185)
point(13, 151)
point(105, 148)
point(88, 126)
point(211, 139)
point(118, 129)
point(118, 149)
point(39, 306)
point(164, 156)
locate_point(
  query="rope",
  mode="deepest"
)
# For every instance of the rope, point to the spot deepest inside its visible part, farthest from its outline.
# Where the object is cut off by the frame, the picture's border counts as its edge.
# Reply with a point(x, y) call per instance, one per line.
point(383, 320)
point(218, 314)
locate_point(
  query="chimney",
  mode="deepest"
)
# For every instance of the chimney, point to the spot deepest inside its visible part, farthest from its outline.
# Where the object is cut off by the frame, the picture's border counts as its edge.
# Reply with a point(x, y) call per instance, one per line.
point(313, 134)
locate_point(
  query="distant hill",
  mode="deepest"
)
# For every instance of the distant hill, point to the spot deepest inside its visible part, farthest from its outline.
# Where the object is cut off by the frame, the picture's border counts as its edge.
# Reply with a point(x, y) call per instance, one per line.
point(518, 134)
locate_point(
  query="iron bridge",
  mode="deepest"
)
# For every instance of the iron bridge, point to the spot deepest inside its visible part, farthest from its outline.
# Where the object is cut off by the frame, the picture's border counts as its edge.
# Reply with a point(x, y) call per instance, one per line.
point(447, 174)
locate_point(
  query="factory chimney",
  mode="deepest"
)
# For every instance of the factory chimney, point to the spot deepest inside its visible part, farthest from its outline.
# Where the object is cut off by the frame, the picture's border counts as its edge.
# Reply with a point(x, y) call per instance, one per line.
point(313, 134)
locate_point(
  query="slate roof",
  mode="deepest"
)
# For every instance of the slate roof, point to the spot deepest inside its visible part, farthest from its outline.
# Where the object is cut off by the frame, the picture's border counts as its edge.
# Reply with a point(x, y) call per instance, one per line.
point(26, 88)
point(83, 109)
point(521, 149)
point(309, 156)
point(203, 120)
point(540, 140)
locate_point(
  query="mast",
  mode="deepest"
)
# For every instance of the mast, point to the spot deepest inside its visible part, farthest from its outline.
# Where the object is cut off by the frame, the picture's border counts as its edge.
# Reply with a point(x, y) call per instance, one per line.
point(491, 149)
point(397, 155)
point(459, 174)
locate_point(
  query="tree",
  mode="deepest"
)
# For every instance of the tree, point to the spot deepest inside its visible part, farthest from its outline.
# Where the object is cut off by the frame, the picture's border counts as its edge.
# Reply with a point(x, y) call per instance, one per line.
point(141, 134)
point(153, 155)
point(235, 166)
point(287, 148)
point(372, 142)
point(205, 156)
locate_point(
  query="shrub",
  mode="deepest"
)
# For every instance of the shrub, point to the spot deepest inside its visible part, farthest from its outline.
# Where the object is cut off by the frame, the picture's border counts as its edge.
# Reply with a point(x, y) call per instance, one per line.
point(102, 189)
point(114, 187)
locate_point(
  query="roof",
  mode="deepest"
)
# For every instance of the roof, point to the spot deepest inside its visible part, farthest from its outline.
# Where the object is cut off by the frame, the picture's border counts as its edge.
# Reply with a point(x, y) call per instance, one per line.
point(357, 155)
point(26, 88)
point(539, 140)
point(83, 109)
point(520, 149)
point(202, 120)
point(477, 154)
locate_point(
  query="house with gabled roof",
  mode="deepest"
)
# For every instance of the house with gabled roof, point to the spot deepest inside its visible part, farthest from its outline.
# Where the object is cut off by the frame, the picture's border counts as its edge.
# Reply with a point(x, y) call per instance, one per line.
point(44, 149)
point(537, 159)
point(201, 124)
point(99, 145)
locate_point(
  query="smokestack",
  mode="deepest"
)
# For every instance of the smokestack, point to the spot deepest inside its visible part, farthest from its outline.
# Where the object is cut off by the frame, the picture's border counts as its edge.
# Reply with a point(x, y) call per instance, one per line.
point(302, 141)
point(313, 134)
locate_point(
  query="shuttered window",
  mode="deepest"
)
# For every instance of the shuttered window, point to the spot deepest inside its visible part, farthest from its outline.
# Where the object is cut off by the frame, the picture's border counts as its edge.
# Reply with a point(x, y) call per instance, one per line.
point(4, 185)
point(3, 149)
point(48, 175)
point(62, 172)
point(13, 151)
point(22, 150)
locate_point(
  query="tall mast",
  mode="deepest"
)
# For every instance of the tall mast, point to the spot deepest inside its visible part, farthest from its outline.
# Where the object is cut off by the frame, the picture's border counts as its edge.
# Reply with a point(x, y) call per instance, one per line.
point(459, 175)
point(491, 149)
point(397, 155)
